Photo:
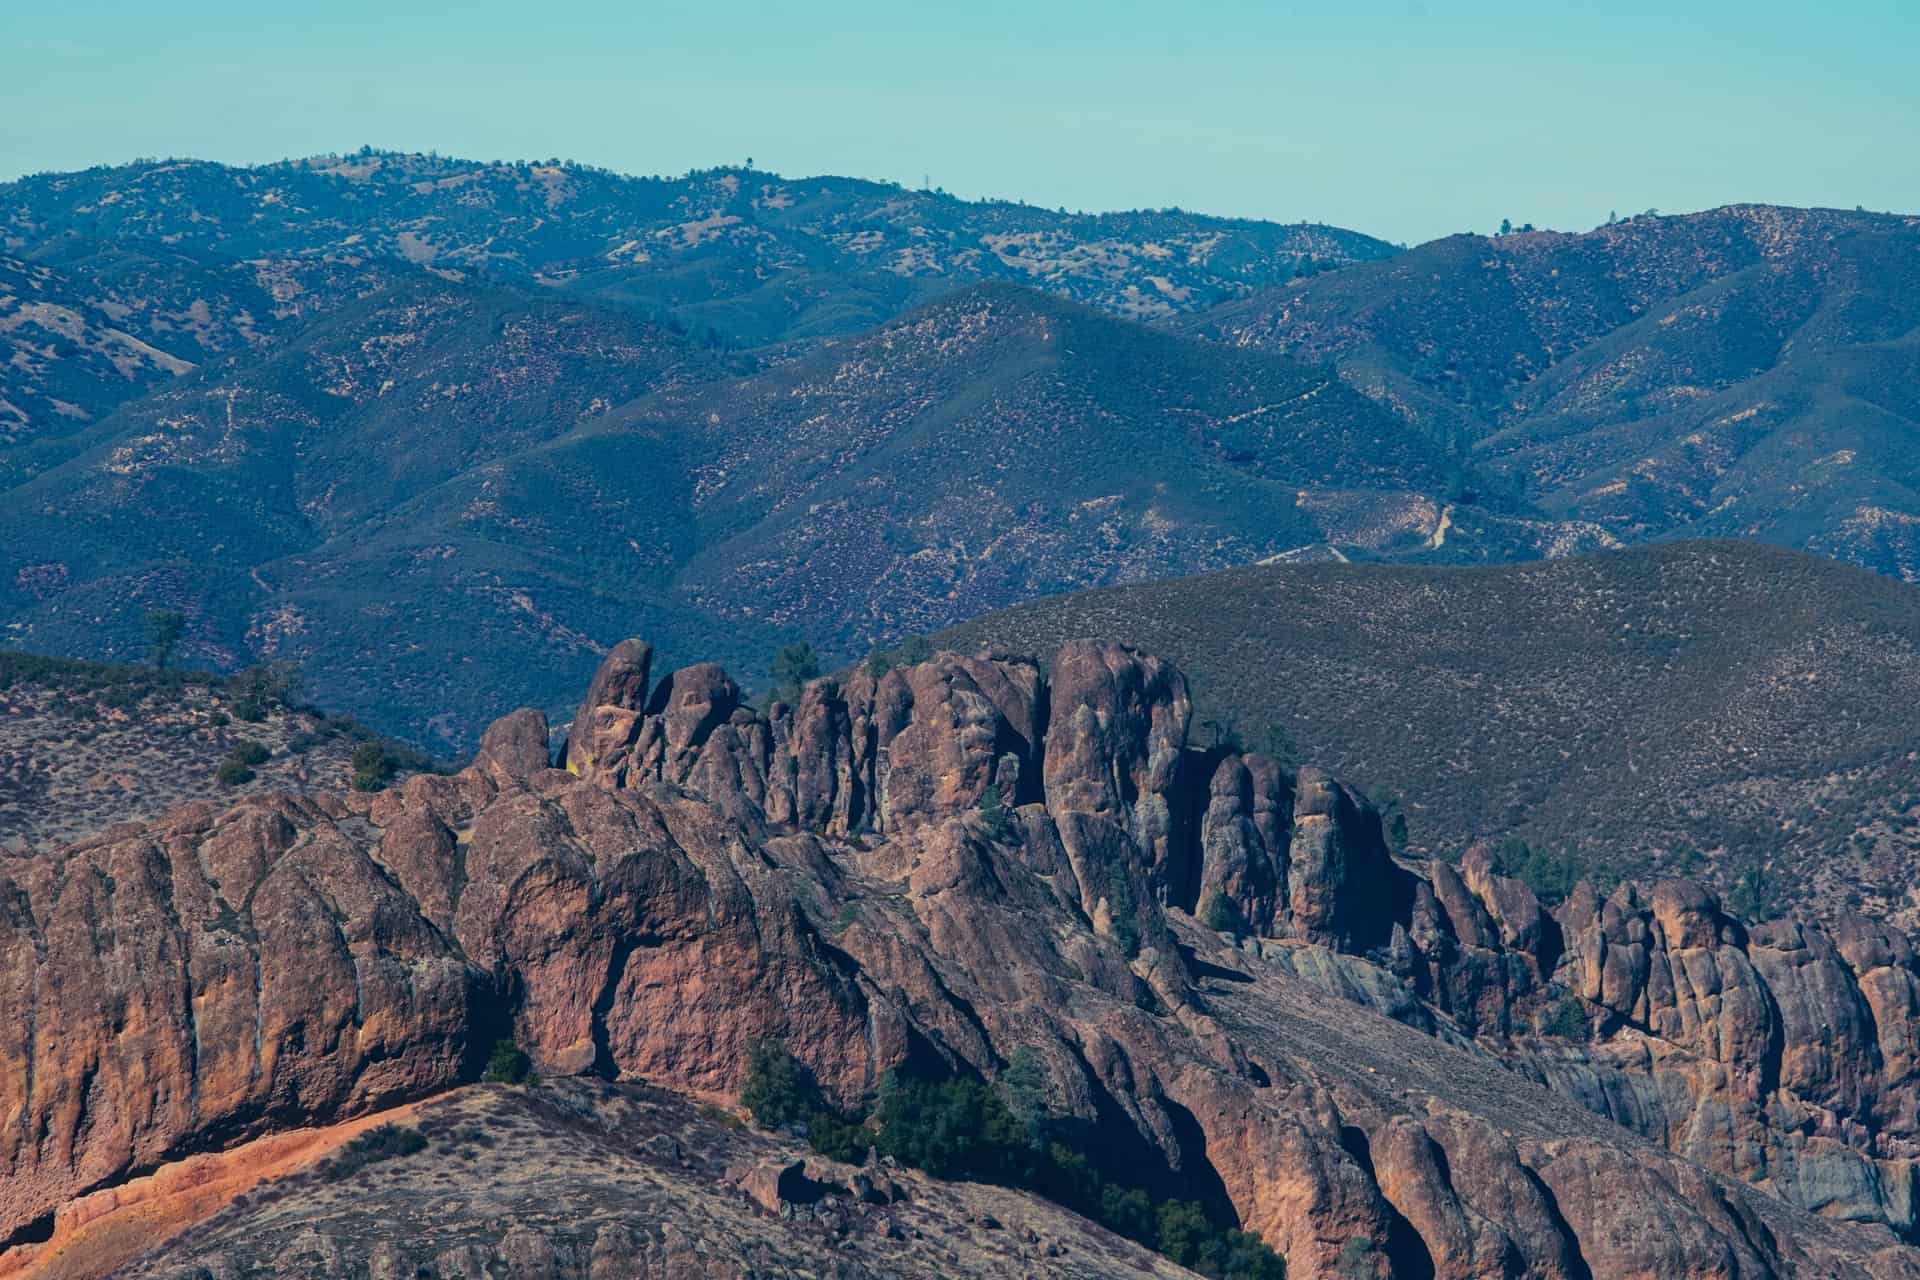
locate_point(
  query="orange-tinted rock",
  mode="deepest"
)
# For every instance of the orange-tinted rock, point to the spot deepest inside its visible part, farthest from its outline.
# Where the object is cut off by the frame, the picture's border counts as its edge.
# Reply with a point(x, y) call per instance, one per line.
point(826, 875)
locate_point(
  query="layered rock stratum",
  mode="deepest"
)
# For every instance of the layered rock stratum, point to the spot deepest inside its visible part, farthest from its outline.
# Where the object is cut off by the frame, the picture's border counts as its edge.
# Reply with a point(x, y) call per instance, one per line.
point(1386, 1068)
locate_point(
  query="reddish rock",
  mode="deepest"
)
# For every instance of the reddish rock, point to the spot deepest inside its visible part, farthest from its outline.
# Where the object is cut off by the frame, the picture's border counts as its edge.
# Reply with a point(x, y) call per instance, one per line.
point(609, 716)
point(1361, 1087)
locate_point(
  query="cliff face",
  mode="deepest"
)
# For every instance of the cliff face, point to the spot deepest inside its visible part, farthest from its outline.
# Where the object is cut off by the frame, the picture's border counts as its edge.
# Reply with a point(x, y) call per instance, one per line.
point(1399, 1070)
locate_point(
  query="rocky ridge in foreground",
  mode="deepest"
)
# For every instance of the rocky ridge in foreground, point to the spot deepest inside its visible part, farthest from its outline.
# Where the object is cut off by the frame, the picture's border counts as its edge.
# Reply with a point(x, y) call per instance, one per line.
point(1380, 1068)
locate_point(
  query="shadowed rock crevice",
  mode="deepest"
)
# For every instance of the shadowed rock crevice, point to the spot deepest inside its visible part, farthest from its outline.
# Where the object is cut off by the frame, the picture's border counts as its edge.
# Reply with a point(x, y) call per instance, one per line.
point(603, 1063)
point(1577, 1262)
point(1406, 1251)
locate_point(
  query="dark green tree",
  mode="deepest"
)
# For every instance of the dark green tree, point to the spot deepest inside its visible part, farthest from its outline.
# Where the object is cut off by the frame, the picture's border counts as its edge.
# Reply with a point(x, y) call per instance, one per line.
point(792, 667)
point(257, 690)
point(508, 1064)
point(373, 767)
point(164, 629)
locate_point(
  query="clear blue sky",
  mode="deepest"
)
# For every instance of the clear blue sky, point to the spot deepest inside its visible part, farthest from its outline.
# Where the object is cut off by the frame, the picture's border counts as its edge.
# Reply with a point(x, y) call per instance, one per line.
point(1405, 118)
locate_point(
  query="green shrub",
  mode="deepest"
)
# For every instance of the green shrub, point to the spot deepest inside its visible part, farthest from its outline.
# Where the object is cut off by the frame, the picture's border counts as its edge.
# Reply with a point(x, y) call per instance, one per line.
point(1567, 1018)
point(237, 766)
point(1224, 733)
point(373, 768)
point(780, 1093)
point(257, 690)
point(1122, 912)
point(1278, 745)
point(965, 1128)
point(248, 752)
point(508, 1064)
point(993, 813)
point(914, 650)
point(1550, 875)
point(1223, 915)
point(958, 1128)
point(1393, 816)
point(1755, 895)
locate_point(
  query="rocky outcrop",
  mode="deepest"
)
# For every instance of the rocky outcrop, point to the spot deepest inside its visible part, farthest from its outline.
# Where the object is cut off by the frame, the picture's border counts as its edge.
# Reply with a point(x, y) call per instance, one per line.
point(608, 718)
point(947, 865)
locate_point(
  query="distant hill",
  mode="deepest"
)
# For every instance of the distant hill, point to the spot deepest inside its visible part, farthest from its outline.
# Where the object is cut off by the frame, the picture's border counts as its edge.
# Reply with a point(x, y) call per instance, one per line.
point(999, 444)
point(1723, 709)
point(288, 503)
point(440, 432)
point(440, 499)
point(192, 257)
point(1751, 371)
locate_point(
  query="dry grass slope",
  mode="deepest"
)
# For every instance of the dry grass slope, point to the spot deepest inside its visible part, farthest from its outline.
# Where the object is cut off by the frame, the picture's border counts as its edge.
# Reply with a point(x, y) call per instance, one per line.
point(1722, 709)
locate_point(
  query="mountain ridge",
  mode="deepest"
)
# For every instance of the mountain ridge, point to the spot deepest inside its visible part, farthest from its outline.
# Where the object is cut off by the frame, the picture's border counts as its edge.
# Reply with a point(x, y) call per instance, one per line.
point(1744, 371)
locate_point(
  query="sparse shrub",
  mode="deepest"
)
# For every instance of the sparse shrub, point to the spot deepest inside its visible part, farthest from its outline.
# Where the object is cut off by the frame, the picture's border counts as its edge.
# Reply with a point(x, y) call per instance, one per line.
point(388, 1142)
point(237, 766)
point(508, 1064)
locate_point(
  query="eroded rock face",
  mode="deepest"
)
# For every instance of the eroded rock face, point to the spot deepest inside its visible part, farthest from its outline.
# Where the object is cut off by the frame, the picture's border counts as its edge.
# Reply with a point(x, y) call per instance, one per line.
point(952, 863)
point(609, 716)
point(1115, 748)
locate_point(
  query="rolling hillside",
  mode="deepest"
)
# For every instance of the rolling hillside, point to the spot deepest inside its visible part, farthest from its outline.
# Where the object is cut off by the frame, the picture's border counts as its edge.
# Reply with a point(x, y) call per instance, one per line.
point(1719, 709)
point(1748, 372)
point(446, 496)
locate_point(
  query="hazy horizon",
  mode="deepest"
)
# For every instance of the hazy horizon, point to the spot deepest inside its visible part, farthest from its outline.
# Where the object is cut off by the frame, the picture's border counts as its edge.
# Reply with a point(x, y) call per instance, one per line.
point(1395, 119)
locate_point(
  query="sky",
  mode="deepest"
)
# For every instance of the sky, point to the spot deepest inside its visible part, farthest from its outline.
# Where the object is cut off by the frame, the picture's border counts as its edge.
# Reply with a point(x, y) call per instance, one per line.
point(1407, 119)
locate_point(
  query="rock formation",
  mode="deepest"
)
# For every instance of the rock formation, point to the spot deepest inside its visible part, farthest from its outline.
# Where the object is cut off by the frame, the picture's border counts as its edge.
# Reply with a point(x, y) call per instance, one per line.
point(1382, 1068)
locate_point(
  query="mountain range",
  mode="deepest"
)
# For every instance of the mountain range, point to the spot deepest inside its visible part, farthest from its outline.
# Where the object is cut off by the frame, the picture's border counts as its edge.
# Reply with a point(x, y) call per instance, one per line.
point(1747, 372)
point(439, 431)
point(1314, 758)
